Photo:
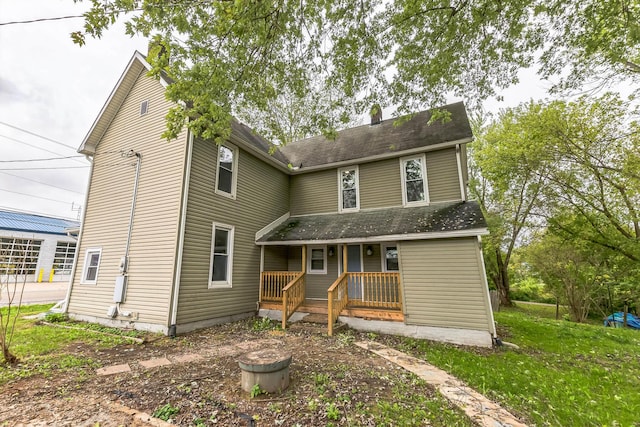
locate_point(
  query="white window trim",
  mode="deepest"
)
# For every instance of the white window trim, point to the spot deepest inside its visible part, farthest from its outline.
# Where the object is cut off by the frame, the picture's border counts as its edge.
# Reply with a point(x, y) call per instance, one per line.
point(222, 283)
point(85, 267)
point(383, 256)
point(357, 181)
point(425, 182)
point(234, 171)
point(324, 263)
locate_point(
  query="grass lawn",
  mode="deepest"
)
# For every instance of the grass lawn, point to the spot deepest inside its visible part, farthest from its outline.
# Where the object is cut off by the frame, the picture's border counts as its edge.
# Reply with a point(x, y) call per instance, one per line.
point(39, 348)
point(563, 374)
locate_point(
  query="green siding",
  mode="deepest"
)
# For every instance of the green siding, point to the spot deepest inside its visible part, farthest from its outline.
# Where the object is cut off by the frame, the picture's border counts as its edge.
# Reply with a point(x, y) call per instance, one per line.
point(442, 175)
point(262, 196)
point(275, 258)
point(380, 184)
point(443, 284)
point(314, 192)
point(372, 262)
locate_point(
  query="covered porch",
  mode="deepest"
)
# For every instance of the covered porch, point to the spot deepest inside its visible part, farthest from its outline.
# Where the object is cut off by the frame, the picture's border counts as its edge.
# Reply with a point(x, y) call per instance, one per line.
point(366, 294)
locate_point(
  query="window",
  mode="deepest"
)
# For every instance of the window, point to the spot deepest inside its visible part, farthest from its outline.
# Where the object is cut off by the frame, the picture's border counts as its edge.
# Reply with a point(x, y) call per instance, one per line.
point(91, 265)
point(19, 256)
point(63, 260)
point(348, 192)
point(390, 260)
point(144, 107)
point(317, 260)
point(226, 176)
point(221, 256)
point(414, 181)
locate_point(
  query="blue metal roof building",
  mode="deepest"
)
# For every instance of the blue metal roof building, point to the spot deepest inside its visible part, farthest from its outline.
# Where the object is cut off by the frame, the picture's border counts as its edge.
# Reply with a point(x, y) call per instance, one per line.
point(37, 247)
point(17, 221)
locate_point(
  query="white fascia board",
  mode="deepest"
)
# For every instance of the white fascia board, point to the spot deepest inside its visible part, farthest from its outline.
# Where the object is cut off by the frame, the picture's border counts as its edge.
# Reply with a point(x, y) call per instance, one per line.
point(273, 224)
point(384, 238)
point(383, 156)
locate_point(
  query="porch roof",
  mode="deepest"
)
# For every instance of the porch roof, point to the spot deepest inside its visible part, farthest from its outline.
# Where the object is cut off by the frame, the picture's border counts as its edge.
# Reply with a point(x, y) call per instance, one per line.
point(441, 220)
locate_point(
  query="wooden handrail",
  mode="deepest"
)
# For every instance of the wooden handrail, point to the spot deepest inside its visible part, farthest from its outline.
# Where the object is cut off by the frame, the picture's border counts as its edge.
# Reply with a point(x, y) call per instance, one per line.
point(292, 297)
point(338, 299)
point(273, 282)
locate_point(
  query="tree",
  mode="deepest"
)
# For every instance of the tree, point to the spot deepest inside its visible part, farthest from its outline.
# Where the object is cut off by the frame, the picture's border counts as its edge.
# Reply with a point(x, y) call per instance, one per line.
point(571, 166)
point(506, 177)
point(226, 56)
point(13, 278)
point(573, 270)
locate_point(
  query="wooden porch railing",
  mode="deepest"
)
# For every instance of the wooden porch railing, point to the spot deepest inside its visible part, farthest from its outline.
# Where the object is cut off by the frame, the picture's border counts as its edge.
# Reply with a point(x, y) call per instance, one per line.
point(369, 290)
point(273, 282)
point(292, 297)
point(375, 290)
point(338, 299)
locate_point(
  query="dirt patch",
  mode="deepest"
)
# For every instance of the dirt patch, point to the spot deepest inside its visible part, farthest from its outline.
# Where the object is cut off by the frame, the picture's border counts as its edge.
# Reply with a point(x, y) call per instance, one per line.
point(333, 382)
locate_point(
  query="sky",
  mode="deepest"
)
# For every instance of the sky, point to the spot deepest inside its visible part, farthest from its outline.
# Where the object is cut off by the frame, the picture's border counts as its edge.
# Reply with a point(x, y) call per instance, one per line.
point(51, 92)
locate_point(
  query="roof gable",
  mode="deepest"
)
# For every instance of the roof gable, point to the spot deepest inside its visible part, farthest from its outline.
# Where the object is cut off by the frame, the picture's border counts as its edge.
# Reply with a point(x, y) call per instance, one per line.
point(136, 66)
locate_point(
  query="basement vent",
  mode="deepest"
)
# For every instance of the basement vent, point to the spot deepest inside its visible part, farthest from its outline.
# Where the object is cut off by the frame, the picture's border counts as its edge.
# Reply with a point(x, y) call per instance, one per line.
point(144, 107)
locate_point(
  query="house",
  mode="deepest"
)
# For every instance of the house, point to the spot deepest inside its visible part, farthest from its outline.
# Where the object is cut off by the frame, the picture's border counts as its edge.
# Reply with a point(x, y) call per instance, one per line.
point(373, 228)
point(35, 248)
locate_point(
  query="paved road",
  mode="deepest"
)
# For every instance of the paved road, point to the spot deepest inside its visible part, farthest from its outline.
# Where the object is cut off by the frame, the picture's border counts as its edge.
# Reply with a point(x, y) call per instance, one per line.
point(37, 293)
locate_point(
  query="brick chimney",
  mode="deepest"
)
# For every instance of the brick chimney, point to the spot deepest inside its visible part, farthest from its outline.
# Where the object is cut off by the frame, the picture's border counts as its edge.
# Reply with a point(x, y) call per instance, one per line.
point(376, 114)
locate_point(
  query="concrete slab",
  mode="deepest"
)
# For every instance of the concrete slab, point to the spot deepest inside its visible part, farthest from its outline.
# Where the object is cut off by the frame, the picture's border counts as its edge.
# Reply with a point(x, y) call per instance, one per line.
point(154, 363)
point(114, 369)
point(476, 406)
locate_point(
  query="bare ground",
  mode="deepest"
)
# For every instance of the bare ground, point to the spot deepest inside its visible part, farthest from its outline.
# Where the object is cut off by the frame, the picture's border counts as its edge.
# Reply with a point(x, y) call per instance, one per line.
point(333, 382)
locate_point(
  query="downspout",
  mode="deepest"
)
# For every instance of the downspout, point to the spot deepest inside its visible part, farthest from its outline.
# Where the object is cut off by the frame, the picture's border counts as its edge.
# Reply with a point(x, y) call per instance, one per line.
point(173, 315)
point(79, 240)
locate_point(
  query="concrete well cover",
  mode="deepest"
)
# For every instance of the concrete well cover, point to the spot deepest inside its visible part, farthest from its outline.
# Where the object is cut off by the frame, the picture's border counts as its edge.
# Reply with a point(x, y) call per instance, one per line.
point(268, 360)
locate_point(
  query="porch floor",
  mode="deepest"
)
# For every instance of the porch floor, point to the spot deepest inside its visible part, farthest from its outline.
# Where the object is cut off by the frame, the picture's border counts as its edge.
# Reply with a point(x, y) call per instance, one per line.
point(321, 307)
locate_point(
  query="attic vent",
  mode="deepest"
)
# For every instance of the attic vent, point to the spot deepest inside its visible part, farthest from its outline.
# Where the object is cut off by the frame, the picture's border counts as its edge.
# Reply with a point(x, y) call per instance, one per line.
point(144, 107)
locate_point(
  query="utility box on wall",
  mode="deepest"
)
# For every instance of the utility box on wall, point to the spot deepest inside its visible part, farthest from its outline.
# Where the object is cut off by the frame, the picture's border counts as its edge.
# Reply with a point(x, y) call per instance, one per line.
point(121, 286)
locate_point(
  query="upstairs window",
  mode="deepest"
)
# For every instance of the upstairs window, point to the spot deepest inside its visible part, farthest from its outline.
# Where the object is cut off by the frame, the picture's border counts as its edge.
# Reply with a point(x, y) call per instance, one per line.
point(226, 176)
point(221, 256)
point(414, 181)
point(349, 193)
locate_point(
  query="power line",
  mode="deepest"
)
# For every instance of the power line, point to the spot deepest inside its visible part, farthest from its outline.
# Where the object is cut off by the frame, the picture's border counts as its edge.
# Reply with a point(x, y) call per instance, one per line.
point(37, 197)
point(39, 160)
point(31, 21)
point(40, 182)
point(45, 168)
point(39, 136)
point(35, 146)
point(58, 18)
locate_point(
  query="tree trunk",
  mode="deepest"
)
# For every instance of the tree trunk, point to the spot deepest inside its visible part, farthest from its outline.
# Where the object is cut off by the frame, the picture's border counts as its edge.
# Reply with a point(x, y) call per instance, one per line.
point(503, 280)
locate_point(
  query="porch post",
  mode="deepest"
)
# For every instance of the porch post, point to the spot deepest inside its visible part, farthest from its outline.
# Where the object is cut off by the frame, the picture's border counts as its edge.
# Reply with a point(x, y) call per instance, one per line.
point(261, 271)
point(304, 259)
point(344, 258)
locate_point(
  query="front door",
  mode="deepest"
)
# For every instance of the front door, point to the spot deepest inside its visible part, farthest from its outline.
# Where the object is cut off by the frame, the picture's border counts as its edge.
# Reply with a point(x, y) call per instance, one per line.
point(354, 264)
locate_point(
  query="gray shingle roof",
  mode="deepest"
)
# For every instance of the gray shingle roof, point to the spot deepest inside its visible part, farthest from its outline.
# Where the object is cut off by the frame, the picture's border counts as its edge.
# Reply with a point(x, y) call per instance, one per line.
point(380, 139)
point(17, 221)
point(435, 218)
point(246, 134)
